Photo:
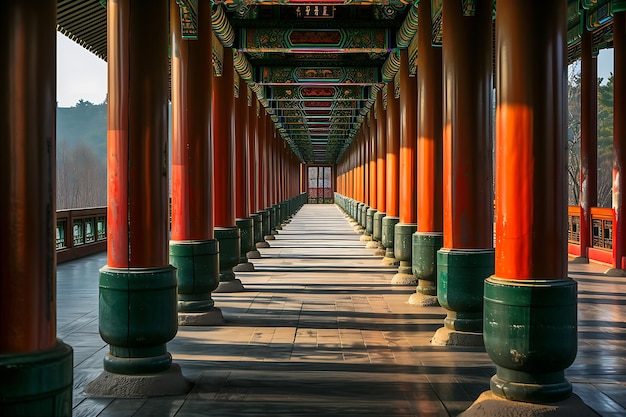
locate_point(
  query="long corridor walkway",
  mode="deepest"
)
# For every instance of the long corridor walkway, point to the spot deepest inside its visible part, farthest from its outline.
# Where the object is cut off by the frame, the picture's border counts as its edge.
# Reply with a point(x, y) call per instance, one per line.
point(319, 331)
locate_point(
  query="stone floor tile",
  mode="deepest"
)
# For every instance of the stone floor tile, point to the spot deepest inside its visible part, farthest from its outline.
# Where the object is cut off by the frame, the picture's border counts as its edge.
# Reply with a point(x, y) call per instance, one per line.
point(319, 331)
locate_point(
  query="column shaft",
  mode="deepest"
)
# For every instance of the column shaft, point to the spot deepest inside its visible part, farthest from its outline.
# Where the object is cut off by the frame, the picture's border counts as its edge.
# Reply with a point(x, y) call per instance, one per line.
point(403, 231)
point(253, 132)
point(408, 143)
point(137, 138)
point(242, 209)
point(224, 174)
point(588, 140)
point(467, 257)
point(193, 249)
point(224, 143)
point(137, 286)
point(36, 367)
point(381, 155)
point(530, 304)
point(429, 236)
point(392, 156)
point(372, 172)
point(392, 152)
point(381, 171)
point(619, 133)
point(192, 142)
point(28, 306)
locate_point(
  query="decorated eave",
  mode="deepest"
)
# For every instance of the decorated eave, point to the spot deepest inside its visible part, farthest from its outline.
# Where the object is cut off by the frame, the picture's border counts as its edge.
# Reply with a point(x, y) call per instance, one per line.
point(84, 22)
point(320, 65)
point(317, 65)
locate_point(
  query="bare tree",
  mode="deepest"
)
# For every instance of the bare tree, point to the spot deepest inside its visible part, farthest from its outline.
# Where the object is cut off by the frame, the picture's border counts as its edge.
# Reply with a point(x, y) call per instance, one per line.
point(81, 177)
point(573, 135)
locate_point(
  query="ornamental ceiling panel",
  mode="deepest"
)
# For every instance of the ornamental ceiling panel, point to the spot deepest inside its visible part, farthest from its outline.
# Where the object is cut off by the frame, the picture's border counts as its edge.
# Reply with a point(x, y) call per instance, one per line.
point(315, 66)
point(263, 40)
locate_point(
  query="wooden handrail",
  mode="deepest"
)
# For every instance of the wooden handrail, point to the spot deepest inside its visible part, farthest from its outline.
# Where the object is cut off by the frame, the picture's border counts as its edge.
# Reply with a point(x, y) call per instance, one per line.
point(80, 232)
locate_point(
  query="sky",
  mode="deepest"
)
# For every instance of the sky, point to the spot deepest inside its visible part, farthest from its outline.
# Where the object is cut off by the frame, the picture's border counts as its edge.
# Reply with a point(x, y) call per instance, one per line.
point(82, 75)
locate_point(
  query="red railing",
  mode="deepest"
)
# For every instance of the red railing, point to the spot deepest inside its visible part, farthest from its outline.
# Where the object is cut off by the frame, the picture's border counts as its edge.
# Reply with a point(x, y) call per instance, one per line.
point(601, 248)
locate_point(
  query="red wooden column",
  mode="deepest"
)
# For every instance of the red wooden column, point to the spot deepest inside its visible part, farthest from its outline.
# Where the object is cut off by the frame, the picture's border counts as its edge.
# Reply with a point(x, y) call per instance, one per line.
point(392, 178)
point(270, 183)
point(530, 303)
point(357, 181)
point(381, 171)
point(193, 249)
point(619, 150)
point(253, 158)
point(138, 285)
point(370, 144)
point(588, 141)
point(261, 179)
point(429, 236)
point(466, 258)
point(364, 177)
point(244, 221)
point(36, 367)
point(404, 230)
point(226, 230)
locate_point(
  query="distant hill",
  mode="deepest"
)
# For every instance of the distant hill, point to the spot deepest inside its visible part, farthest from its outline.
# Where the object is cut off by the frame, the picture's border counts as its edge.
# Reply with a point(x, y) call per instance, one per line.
point(86, 122)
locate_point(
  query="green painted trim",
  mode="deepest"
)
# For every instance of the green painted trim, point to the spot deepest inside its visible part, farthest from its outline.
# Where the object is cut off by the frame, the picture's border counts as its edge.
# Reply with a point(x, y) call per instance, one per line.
point(37, 383)
point(221, 26)
point(137, 317)
point(460, 277)
point(230, 250)
point(197, 264)
point(188, 18)
point(425, 247)
point(530, 332)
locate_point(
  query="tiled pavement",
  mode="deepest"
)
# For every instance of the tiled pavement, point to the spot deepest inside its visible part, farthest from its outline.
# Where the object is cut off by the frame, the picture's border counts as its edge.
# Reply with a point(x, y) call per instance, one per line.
point(319, 331)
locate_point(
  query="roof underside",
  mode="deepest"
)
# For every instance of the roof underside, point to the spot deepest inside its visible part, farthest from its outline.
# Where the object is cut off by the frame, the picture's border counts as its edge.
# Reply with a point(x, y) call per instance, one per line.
point(317, 65)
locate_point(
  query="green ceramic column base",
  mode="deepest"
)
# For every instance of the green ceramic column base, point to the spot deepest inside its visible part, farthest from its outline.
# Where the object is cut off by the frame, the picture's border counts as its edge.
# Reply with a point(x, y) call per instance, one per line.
point(531, 334)
point(377, 233)
point(137, 317)
point(246, 234)
point(377, 228)
point(229, 240)
point(460, 277)
point(257, 221)
point(278, 220)
point(37, 383)
point(259, 230)
point(273, 215)
point(246, 244)
point(265, 228)
point(356, 210)
point(387, 239)
point(363, 218)
point(197, 265)
point(369, 222)
point(284, 212)
point(425, 247)
point(403, 252)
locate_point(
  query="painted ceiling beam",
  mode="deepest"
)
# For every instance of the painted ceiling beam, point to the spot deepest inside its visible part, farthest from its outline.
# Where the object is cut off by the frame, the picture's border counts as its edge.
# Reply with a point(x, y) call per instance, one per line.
point(312, 2)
